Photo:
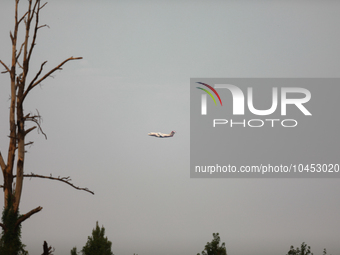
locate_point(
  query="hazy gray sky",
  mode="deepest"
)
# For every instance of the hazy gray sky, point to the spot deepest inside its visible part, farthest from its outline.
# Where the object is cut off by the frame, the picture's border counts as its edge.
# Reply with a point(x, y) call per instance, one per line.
point(139, 57)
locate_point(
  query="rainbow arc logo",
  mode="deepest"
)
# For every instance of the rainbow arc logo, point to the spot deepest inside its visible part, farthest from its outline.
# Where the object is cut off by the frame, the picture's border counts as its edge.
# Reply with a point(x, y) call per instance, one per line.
point(207, 91)
point(204, 98)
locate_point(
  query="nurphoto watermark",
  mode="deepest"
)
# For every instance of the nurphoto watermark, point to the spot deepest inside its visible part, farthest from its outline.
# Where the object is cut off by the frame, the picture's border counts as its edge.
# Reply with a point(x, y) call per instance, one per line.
point(264, 128)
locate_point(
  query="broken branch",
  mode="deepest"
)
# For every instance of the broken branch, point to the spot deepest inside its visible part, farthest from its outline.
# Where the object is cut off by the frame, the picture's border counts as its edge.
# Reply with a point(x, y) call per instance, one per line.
point(30, 129)
point(2, 163)
point(43, 26)
point(29, 143)
point(27, 215)
point(10, 35)
point(5, 66)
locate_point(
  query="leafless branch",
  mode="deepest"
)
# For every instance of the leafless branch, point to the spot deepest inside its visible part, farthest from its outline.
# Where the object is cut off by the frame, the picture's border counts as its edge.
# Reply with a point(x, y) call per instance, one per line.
point(20, 65)
point(37, 120)
point(27, 215)
point(2, 163)
point(43, 26)
point(23, 16)
point(30, 129)
point(12, 137)
point(66, 180)
point(36, 76)
point(32, 85)
point(42, 6)
point(37, 2)
point(22, 45)
point(10, 35)
point(36, 27)
point(29, 143)
point(5, 67)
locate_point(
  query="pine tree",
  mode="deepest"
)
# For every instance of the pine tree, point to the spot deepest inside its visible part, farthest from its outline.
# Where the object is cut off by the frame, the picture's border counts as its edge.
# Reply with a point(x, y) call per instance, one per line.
point(97, 244)
point(304, 250)
point(213, 247)
point(74, 251)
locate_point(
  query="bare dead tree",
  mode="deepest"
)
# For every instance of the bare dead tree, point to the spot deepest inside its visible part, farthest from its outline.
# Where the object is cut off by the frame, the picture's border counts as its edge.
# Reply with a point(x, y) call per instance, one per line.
point(47, 250)
point(20, 87)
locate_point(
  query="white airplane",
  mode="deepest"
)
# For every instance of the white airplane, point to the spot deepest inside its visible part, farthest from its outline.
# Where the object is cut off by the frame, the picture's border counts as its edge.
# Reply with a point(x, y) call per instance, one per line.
point(161, 135)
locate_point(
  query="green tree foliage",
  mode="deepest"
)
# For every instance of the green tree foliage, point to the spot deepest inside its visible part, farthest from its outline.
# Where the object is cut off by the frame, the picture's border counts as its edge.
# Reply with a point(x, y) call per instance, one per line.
point(303, 250)
point(74, 251)
point(213, 247)
point(10, 241)
point(97, 244)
